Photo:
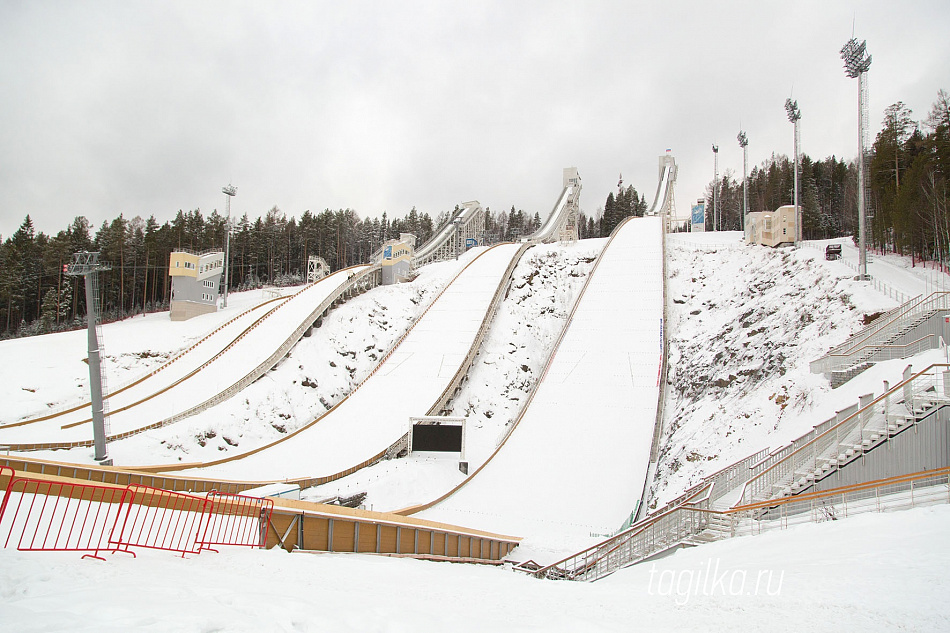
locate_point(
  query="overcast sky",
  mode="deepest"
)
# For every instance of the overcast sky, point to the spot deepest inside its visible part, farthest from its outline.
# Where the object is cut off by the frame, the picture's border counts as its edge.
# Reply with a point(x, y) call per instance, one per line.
point(150, 107)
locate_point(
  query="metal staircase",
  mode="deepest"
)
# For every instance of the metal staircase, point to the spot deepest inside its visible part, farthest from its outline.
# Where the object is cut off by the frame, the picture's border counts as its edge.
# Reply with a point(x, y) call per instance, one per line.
point(849, 435)
point(879, 341)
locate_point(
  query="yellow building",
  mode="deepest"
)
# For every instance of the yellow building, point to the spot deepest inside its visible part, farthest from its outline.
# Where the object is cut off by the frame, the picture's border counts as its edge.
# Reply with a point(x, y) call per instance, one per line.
point(196, 278)
point(396, 258)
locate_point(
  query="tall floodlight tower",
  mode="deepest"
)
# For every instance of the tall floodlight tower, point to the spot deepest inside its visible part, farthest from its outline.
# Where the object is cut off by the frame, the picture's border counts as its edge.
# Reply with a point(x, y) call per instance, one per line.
point(230, 191)
point(856, 65)
point(716, 219)
point(87, 265)
point(794, 116)
point(744, 144)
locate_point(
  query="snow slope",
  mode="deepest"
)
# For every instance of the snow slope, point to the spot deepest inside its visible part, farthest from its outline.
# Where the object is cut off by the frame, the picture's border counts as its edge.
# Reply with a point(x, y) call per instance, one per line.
point(864, 572)
point(745, 322)
point(208, 369)
point(576, 463)
point(409, 381)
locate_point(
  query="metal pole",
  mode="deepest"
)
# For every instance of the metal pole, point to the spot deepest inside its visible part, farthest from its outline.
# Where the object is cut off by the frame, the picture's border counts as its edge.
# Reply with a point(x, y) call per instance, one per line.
point(798, 209)
point(95, 375)
point(229, 191)
point(857, 61)
point(717, 221)
point(862, 239)
point(227, 253)
point(744, 143)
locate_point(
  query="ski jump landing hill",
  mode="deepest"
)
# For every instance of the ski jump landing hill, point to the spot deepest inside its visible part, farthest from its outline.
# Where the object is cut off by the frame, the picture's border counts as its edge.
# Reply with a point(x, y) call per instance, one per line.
point(577, 460)
point(214, 369)
point(411, 381)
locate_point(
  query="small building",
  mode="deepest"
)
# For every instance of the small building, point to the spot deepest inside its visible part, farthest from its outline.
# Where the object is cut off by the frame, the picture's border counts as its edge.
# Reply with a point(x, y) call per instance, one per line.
point(771, 228)
point(196, 278)
point(396, 259)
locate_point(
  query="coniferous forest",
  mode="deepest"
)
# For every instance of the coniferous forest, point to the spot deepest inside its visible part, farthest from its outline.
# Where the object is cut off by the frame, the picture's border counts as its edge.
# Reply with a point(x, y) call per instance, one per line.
point(908, 167)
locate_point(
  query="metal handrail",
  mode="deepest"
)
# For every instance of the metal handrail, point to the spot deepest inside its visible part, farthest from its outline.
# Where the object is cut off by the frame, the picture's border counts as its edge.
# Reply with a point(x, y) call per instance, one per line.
point(881, 333)
point(676, 526)
point(850, 430)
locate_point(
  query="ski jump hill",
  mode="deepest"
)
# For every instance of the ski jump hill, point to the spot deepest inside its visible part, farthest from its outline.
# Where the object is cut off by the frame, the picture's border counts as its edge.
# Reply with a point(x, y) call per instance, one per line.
point(577, 461)
point(574, 462)
point(212, 370)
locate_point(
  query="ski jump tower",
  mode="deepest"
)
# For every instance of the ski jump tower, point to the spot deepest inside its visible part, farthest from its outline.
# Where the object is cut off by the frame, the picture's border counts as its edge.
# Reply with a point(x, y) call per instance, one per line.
point(664, 204)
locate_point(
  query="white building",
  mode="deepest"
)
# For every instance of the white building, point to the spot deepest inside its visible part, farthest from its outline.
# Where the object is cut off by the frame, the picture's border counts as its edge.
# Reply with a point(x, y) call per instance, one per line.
point(771, 228)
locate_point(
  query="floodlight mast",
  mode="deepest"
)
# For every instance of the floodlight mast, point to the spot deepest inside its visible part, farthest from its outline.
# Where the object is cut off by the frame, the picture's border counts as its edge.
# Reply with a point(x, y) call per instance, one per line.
point(230, 191)
point(744, 144)
point(794, 115)
point(717, 221)
point(856, 65)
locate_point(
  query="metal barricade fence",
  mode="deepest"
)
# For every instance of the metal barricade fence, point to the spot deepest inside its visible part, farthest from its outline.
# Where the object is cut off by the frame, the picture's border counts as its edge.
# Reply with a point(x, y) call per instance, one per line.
point(6, 478)
point(235, 520)
point(42, 515)
point(159, 519)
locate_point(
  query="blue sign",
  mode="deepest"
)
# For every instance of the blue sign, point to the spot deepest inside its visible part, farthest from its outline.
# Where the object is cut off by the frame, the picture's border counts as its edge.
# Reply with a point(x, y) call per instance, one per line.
point(388, 252)
point(699, 214)
point(469, 243)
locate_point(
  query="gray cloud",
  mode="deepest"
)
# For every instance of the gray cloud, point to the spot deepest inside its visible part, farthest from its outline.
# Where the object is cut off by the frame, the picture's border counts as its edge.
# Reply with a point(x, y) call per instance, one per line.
point(147, 108)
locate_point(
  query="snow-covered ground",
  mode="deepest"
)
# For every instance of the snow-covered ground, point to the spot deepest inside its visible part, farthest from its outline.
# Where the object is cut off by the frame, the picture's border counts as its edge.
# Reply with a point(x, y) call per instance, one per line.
point(743, 323)
point(874, 572)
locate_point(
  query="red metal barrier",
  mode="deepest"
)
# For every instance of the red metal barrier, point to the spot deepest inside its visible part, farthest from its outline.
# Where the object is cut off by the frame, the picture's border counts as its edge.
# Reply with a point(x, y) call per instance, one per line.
point(5, 471)
point(236, 520)
point(41, 515)
point(159, 519)
point(55, 516)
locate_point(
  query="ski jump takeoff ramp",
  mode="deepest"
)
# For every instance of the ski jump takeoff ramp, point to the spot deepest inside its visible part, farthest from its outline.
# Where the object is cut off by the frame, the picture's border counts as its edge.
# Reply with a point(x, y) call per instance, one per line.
point(376, 415)
point(576, 462)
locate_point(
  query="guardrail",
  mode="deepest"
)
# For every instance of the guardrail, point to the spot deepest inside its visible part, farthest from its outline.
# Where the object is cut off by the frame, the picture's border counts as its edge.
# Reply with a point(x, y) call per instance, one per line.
point(881, 333)
point(877, 284)
point(685, 524)
point(838, 441)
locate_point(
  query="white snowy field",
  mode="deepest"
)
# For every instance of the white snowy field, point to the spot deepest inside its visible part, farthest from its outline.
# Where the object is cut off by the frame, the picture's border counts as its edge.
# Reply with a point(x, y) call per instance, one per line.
point(874, 572)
